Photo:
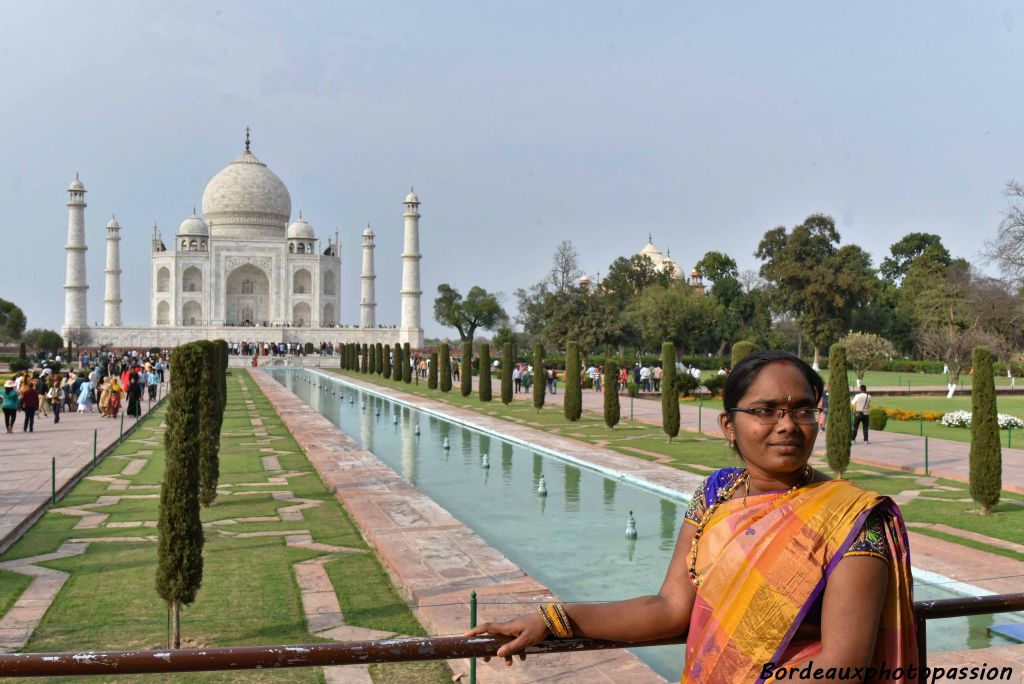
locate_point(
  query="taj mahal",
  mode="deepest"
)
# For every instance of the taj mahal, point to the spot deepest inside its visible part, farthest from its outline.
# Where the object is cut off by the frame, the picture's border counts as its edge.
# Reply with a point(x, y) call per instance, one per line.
point(243, 269)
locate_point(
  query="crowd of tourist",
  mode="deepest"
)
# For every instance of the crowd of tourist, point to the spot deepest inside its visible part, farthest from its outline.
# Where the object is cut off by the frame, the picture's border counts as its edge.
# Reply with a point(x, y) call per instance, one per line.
point(105, 383)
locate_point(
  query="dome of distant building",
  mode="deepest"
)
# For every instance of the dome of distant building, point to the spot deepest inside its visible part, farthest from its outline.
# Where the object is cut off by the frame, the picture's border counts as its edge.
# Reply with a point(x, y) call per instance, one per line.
point(300, 228)
point(368, 232)
point(112, 223)
point(412, 198)
point(660, 260)
point(584, 281)
point(246, 199)
point(77, 186)
point(194, 225)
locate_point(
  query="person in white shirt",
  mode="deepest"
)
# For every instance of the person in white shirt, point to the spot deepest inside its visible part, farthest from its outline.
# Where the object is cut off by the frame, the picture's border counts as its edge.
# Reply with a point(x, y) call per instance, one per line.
point(861, 412)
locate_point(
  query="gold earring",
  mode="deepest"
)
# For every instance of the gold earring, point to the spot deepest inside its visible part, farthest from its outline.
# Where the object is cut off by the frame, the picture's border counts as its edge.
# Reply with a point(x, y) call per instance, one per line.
point(732, 442)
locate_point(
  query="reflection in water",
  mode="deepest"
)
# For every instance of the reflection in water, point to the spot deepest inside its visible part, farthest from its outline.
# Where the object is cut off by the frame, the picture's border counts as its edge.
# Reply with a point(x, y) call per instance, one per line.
point(572, 489)
point(408, 454)
point(609, 493)
point(630, 548)
point(366, 429)
point(506, 463)
point(668, 524)
point(538, 470)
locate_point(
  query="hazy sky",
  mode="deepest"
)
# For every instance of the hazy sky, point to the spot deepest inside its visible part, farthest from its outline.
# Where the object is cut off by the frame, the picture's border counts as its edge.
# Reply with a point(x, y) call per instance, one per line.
point(519, 124)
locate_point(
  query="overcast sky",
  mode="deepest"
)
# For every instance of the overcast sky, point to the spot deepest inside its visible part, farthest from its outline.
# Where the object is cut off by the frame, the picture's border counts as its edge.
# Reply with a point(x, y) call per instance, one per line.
point(519, 124)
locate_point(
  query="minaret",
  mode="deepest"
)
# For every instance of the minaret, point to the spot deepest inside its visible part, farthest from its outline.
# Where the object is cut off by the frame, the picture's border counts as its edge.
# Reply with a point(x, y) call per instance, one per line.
point(409, 329)
point(75, 285)
point(367, 297)
point(112, 294)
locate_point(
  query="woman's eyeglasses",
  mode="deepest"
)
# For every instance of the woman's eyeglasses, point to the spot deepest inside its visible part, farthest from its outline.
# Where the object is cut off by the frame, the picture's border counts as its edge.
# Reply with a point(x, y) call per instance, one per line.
point(767, 415)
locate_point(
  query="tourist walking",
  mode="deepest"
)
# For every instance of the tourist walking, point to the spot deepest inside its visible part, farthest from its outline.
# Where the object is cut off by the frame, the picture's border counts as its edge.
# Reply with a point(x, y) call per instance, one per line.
point(134, 393)
point(29, 404)
point(86, 402)
point(10, 405)
point(152, 380)
point(56, 397)
point(517, 378)
point(861, 413)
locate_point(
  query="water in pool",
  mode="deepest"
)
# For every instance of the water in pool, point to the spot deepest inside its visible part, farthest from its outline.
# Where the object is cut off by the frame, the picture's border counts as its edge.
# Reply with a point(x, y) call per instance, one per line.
point(573, 539)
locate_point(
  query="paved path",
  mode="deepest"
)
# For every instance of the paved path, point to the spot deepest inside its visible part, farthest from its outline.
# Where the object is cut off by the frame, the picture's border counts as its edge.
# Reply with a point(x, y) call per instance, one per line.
point(25, 486)
point(890, 449)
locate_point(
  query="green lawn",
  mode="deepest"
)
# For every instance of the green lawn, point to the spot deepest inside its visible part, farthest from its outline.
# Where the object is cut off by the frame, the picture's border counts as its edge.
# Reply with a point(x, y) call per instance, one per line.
point(249, 594)
point(697, 452)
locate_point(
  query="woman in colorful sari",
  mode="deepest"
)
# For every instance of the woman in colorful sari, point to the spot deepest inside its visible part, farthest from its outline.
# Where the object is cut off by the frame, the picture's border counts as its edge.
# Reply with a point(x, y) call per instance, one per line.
point(777, 566)
point(115, 398)
point(104, 402)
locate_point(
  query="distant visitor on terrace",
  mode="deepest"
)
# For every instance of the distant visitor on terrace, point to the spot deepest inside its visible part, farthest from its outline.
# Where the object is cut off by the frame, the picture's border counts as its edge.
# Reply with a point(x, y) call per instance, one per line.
point(777, 563)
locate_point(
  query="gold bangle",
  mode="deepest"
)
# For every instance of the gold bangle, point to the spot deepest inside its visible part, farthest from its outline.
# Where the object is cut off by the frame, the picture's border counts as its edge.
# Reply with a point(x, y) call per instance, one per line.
point(556, 619)
point(546, 619)
point(564, 619)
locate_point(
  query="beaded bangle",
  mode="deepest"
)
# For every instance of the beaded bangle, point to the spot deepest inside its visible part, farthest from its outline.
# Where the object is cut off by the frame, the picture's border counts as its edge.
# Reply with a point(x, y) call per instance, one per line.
point(556, 619)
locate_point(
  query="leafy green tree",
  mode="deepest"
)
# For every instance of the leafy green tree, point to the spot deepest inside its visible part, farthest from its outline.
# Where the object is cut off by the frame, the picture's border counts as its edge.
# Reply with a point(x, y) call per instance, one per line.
point(466, 385)
point(907, 250)
point(864, 350)
point(12, 321)
point(678, 315)
point(396, 362)
point(572, 403)
point(741, 350)
point(814, 279)
point(432, 372)
point(180, 531)
point(211, 411)
point(484, 387)
point(611, 393)
point(480, 309)
point(716, 266)
point(43, 340)
point(627, 278)
point(406, 363)
point(506, 374)
point(502, 336)
point(386, 361)
point(669, 391)
point(445, 368)
point(838, 424)
point(986, 459)
point(539, 377)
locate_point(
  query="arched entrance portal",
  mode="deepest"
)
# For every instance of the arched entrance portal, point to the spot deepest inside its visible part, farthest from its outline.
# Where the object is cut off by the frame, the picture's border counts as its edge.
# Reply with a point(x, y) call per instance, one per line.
point(248, 296)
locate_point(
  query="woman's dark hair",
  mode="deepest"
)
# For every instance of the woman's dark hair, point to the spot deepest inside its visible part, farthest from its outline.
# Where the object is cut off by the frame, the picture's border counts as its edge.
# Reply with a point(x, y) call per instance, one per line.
point(747, 370)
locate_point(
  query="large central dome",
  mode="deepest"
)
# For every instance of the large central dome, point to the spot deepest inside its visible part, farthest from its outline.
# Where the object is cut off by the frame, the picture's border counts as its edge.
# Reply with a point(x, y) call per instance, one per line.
point(247, 200)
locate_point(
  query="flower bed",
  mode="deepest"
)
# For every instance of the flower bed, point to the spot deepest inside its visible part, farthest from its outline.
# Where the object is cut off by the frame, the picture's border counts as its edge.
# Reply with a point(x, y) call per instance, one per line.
point(962, 419)
point(907, 414)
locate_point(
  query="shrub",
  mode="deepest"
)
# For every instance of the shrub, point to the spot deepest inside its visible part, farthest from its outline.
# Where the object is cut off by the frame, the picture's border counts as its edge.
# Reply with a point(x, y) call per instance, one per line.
point(670, 391)
point(587, 382)
point(506, 374)
point(308, 348)
point(715, 384)
point(740, 350)
point(444, 368)
point(432, 371)
point(877, 419)
point(611, 394)
point(573, 401)
point(633, 389)
point(18, 365)
point(986, 453)
point(540, 380)
point(686, 384)
point(837, 436)
point(484, 386)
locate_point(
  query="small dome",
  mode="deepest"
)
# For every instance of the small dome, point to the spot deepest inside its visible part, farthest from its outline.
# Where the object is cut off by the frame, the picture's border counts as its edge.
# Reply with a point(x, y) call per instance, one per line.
point(194, 225)
point(76, 185)
point(368, 232)
point(695, 273)
point(411, 198)
point(300, 228)
point(584, 281)
point(113, 223)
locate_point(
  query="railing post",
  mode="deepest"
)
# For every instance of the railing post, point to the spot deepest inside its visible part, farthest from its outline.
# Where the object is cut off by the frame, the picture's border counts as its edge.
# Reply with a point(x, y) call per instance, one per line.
point(921, 426)
point(94, 448)
point(926, 455)
point(53, 480)
point(472, 623)
point(700, 412)
point(1009, 437)
point(119, 437)
point(922, 648)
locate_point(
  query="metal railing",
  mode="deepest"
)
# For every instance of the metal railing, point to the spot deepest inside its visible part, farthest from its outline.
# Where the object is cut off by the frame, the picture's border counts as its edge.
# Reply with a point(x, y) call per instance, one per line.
point(390, 650)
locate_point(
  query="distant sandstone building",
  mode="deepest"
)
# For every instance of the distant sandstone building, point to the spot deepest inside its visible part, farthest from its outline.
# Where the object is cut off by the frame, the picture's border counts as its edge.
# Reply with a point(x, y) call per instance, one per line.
point(243, 270)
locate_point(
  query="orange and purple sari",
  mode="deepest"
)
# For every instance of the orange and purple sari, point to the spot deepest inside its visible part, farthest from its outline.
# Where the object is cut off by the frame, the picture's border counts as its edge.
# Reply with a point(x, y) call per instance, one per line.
point(765, 562)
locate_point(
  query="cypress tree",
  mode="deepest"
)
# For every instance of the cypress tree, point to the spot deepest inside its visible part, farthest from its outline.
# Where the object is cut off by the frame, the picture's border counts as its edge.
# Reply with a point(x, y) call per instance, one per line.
point(669, 391)
point(986, 456)
point(371, 363)
point(180, 532)
point(210, 414)
point(572, 405)
point(343, 361)
point(406, 363)
point(484, 389)
point(396, 362)
point(348, 356)
point(379, 351)
point(352, 356)
point(740, 350)
point(611, 393)
point(222, 374)
point(506, 374)
point(444, 368)
point(540, 379)
point(837, 433)
point(432, 371)
point(386, 361)
point(467, 368)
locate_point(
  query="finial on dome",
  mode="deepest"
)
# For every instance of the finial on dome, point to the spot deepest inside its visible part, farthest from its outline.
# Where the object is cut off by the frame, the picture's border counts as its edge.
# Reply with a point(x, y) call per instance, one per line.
point(300, 213)
point(650, 238)
point(246, 138)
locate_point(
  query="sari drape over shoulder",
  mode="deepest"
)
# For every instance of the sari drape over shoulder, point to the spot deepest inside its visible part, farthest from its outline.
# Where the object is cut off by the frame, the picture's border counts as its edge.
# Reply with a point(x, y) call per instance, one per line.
point(765, 561)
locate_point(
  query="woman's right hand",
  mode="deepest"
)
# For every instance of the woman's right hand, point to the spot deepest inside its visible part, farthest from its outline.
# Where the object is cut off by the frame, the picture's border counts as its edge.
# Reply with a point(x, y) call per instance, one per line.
point(527, 629)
